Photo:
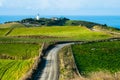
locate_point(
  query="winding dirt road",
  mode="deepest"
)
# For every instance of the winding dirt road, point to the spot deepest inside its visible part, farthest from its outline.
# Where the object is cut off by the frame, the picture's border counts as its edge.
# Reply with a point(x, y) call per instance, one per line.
point(50, 72)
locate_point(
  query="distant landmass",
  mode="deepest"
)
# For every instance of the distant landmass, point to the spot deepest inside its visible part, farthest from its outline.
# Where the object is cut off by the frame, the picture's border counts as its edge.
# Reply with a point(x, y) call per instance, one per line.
point(112, 21)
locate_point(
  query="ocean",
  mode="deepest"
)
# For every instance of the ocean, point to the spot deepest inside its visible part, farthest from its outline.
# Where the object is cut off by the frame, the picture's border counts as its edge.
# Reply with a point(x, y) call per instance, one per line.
point(113, 21)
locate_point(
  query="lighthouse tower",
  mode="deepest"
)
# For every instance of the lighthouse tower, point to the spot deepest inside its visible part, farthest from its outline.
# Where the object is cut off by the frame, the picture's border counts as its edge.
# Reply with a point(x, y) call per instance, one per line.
point(37, 17)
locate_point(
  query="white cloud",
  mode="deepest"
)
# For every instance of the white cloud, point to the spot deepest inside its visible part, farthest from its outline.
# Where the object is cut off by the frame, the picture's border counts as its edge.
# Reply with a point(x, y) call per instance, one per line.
point(75, 7)
point(60, 4)
point(43, 4)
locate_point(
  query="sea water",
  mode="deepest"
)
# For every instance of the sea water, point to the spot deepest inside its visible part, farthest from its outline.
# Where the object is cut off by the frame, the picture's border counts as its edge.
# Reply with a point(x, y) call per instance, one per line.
point(113, 21)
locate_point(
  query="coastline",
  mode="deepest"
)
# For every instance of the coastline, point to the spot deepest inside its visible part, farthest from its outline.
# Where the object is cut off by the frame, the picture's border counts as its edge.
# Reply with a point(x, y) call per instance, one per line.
point(112, 21)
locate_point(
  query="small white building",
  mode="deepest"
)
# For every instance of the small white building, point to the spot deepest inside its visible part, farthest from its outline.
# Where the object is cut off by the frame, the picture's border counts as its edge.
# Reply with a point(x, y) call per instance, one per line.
point(54, 18)
point(38, 17)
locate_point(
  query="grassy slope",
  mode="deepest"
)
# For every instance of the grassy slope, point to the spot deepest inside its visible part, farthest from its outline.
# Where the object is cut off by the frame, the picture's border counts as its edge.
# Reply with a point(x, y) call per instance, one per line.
point(24, 58)
point(72, 33)
point(11, 25)
point(107, 29)
point(5, 28)
point(3, 31)
point(19, 50)
point(83, 23)
point(29, 40)
point(114, 31)
point(14, 69)
point(97, 57)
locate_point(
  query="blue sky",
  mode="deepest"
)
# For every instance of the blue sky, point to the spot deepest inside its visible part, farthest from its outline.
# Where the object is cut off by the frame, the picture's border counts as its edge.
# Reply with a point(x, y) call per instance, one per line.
point(60, 7)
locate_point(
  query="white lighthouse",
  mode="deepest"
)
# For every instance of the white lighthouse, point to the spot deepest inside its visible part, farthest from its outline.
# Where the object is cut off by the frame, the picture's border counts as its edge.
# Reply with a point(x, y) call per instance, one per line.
point(37, 17)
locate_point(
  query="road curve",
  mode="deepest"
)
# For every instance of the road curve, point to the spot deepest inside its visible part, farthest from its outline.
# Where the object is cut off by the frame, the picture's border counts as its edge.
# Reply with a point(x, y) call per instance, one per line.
point(50, 72)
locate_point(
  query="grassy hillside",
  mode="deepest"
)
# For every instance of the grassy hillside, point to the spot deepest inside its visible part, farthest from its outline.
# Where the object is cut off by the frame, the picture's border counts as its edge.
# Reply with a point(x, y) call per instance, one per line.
point(29, 40)
point(106, 28)
point(11, 25)
point(17, 59)
point(102, 56)
point(81, 23)
point(14, 69)
point(3, 31)
point(70, 32)
point(19, 51)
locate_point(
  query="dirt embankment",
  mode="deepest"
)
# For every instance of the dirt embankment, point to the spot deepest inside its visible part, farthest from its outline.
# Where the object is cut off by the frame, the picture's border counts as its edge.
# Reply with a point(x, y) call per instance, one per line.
point(67, 67)
point(32, 71)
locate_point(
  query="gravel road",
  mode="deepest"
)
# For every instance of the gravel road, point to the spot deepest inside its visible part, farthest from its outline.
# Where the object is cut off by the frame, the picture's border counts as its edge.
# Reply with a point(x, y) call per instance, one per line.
point(50, 72)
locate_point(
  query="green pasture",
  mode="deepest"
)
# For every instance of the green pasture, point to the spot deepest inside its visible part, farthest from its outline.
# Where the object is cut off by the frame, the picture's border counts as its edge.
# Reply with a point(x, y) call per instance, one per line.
point(3, 31)
point(19, 51)
point(101, 56)
point(14, 69)
point(69, 32)
point(17, 59)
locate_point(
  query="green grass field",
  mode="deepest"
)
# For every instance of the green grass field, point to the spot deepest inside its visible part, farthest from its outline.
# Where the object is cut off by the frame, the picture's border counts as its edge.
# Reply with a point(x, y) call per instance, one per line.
point(14, 69)
point(17, 59)
point(19, 51)
point(69, 32)
point(102, 56)
point(29, 40)
point(3, 31)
